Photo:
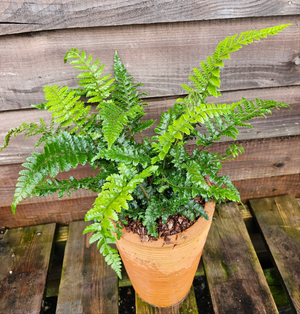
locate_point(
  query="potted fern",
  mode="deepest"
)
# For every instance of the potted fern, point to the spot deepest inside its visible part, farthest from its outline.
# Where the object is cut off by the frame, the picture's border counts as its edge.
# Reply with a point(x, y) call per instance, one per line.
point(163, 196)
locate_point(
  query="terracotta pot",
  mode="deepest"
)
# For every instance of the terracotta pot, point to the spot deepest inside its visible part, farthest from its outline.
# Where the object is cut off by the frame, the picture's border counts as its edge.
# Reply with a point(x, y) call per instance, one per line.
point(162, 272)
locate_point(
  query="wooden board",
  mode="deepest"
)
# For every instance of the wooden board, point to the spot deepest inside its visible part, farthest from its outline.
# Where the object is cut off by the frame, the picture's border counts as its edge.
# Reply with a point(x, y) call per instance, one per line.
point(88, 284)
point(58, 211)
point(284, 122)
point(65, 211)
point(267, 187)
point(24, 259)
point(234, 275)
point(27, 16)
point(256, 162)
point(262, 158)
point(9, 175)
point(279, 221)
point(159, 55)
point(188, 306)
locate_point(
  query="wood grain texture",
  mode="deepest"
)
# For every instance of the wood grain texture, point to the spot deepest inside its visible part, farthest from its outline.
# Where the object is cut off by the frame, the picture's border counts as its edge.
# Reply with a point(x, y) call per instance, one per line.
point(88, 284)
point(235, 278)
point(188, 306)
point(8, 180)
point(159, 55)
point(24, 259)
point(268, 187)
point(262, 158)
point(279, 221)
point(28, 16)
point(58, 211)
point(282, 122)
point(69, 210)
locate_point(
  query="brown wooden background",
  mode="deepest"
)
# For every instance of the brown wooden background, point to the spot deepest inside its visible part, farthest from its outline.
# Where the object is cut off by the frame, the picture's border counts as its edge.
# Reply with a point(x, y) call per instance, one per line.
point(159, 42)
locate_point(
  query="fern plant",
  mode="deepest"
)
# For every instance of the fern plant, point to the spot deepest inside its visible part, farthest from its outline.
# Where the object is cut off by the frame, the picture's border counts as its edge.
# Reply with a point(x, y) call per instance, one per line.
point(144, 178)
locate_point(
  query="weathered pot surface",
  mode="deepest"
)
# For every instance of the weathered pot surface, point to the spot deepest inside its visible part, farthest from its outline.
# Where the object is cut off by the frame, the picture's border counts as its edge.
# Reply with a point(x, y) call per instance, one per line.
point(162, 272)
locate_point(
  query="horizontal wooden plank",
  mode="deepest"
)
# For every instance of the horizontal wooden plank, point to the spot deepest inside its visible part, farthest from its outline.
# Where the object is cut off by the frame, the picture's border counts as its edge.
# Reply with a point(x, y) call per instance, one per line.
point(8, 180)
point(262, 158)
point(28, 16)
point(65, 211)
point(159, 55)
point(88, 284)
point(256, 162)
point(24, 259)
point(60, 211)
point(268, 187)
point(279, 221)
point(281, 123)
point(234, 275)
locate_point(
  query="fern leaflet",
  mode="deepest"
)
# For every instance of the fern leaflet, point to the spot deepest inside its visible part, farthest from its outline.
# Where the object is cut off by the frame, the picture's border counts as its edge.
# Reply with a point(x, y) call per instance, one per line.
point(61, 152)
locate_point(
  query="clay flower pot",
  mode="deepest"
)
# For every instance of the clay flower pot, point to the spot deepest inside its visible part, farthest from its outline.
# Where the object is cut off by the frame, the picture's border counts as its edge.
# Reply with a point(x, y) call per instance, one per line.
point(162, 272)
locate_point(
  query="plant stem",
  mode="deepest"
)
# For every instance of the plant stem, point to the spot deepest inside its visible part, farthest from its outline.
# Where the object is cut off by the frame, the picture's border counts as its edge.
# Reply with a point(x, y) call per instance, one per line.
point(146, 194)
point(142, 137)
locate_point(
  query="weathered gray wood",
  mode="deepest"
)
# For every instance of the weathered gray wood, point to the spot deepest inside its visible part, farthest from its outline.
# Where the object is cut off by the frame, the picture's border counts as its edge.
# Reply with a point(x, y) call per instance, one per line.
point(256, 162)
point(60, 211)
point(279, 221)
point(269, 186)
point(188, 306)
point(281, 123)
point(235, 278)
point(159, 55)
point(27, 16)
point(8, 180)
point(88, 284)
point(24, 259)
point(262, 158)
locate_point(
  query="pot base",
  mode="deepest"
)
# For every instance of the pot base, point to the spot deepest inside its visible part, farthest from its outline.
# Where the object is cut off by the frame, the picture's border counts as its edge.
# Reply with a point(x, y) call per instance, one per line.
point(168, 307)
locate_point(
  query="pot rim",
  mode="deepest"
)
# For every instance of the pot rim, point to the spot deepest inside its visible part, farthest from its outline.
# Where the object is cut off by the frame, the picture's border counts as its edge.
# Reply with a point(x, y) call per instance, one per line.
point(197, 227)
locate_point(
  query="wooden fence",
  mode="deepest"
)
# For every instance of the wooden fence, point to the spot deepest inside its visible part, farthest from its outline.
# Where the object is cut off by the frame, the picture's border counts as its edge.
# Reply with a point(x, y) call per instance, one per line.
point(159, 42)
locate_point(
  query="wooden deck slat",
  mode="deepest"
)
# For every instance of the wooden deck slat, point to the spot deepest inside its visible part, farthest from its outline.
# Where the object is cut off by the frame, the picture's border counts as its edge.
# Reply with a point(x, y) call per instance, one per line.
point(24, 261)
point(279, 221)
point(188, 306)
point(88, 284)
point(235, 278)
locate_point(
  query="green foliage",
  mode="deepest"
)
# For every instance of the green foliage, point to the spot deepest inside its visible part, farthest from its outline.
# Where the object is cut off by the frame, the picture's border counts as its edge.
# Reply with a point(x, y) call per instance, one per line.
point(183, 125)
point(143, 178)
point(31, 130)
point(61, 153)
point(113, 197)
point(95, 86)
point(207, 79)
point(66, 108)
point(114, 120)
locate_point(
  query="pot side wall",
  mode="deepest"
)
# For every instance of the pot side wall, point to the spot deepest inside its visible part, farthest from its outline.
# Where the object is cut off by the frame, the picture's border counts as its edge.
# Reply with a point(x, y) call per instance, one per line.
point(162, 272)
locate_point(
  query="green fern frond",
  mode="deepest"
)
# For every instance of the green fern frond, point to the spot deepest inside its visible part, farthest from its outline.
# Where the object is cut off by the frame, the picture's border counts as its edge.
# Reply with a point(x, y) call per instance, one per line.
point(183, 125)
point(194, 174)
point(127, 155)
point(51, 186)
point(125, 93)
point(61, 152)
point(227, 124)
point(97, 87)
point(115, 194)
point(141, 126)
point(207, 79)
point(114, 120)
point(31, 130)
point(66, 108)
